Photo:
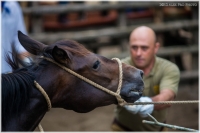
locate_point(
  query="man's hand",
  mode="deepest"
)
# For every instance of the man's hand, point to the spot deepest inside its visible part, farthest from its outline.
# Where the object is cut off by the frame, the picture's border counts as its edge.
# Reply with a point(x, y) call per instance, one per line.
point(143, 110)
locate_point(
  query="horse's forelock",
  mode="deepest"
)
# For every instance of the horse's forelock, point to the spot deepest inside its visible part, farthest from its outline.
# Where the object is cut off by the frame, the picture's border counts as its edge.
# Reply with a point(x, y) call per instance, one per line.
point(73, 47)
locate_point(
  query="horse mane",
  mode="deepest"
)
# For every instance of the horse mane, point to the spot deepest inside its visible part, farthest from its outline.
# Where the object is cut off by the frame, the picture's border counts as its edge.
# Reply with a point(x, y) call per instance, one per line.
point(15, 86)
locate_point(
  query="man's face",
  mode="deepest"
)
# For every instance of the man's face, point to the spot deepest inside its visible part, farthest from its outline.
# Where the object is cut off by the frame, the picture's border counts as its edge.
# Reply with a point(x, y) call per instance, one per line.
point(142, 50)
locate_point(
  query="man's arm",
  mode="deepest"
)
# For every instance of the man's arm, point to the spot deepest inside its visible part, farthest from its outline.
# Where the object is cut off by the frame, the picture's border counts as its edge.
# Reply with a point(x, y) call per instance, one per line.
point(168, 85)
point(165, 95)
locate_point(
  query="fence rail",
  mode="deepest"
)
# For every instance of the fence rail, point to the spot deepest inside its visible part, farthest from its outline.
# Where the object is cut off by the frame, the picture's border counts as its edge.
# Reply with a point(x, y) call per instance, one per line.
point(185, 75)
point(111, 32)
point(40, 10)
point(121, 30)
point(166, 51)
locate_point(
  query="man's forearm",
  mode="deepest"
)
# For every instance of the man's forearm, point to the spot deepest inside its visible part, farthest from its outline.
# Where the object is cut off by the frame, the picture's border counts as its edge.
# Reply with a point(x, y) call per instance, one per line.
point(165, 95)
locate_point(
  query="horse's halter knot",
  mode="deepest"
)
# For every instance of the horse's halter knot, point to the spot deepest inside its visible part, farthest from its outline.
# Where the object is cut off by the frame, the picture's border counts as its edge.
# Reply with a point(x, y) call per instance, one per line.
point(116, 94)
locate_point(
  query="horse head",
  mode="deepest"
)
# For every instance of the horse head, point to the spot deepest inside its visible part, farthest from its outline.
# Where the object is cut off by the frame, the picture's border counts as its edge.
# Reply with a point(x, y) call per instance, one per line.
point(69, 92)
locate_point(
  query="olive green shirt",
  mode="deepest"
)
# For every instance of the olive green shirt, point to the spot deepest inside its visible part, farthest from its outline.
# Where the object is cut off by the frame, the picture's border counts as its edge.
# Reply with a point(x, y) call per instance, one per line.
point(164, 75)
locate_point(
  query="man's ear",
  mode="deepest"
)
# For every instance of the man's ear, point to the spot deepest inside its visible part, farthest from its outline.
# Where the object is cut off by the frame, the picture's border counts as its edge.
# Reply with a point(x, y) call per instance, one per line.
point(60, 55)
point(157, 46)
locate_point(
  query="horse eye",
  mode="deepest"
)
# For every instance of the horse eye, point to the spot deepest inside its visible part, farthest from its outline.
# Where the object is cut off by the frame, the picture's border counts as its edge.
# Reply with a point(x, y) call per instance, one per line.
point(96, 65)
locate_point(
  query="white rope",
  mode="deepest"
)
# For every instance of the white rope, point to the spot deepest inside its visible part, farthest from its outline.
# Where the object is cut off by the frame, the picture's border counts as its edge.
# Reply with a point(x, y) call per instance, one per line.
point(119, 99)
point(120, 75)
point(47, 99)
point(44, 94)
point(40, 128)
point(163, 102)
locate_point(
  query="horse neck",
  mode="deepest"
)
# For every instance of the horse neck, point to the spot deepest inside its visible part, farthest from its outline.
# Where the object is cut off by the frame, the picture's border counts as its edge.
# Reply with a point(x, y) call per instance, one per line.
point(54, 80)
point(29, 118)
point(38, 105)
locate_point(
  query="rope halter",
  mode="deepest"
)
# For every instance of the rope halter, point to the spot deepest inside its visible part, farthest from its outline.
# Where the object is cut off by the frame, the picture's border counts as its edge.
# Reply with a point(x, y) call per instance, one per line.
point(116, 94)
point(121, 101)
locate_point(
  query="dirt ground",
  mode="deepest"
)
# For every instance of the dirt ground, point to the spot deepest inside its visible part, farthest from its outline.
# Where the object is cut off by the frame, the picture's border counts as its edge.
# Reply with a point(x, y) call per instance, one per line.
point(186, 115)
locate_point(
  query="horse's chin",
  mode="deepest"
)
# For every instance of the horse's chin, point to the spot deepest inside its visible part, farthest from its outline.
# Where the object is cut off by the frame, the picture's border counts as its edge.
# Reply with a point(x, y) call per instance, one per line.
point(80, 110)
point(83, 110)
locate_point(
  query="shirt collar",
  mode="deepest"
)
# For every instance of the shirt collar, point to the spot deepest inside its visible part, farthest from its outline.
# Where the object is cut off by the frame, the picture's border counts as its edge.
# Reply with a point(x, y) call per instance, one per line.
point(153, 70)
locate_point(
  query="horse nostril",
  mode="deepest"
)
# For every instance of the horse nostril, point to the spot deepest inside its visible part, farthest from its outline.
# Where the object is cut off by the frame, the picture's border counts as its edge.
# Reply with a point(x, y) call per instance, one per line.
point(141, 73)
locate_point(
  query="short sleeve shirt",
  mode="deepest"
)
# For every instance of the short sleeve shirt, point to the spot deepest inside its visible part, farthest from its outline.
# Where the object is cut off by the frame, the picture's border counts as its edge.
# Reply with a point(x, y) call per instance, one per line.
point(164, 75)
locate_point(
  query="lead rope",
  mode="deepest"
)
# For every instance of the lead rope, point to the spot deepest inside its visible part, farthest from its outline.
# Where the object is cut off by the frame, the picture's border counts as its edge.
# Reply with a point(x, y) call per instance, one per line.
point(163, 102)
point(47, 99)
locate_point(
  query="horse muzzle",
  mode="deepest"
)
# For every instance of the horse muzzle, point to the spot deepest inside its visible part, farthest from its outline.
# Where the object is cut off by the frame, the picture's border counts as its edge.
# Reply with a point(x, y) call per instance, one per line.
point(132, 92)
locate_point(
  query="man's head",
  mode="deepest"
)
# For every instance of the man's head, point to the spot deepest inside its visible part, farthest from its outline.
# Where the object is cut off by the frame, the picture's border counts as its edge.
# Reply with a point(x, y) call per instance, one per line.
point(143, 47)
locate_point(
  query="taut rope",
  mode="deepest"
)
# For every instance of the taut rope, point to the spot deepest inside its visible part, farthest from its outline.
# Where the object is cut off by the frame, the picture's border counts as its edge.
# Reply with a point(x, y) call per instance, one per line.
point(163, 102)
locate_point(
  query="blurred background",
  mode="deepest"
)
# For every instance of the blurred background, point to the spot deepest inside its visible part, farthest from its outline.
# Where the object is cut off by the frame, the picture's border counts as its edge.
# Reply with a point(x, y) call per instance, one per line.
point(104, 28)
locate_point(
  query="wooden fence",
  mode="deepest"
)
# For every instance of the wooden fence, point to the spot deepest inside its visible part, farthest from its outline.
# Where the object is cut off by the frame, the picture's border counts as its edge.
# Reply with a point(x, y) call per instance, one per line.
point(119, 31)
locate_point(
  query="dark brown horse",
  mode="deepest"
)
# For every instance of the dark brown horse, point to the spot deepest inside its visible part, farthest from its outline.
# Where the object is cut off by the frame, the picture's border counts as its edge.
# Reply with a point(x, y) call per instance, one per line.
point(23, 105)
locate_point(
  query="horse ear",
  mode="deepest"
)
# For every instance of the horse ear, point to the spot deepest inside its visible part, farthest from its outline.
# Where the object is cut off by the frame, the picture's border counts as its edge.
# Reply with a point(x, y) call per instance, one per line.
point(31, 45)
point(60, 55)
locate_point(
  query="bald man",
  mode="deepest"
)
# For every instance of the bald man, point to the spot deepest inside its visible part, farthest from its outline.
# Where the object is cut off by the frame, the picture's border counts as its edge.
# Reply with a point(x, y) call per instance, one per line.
point(161, 78)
